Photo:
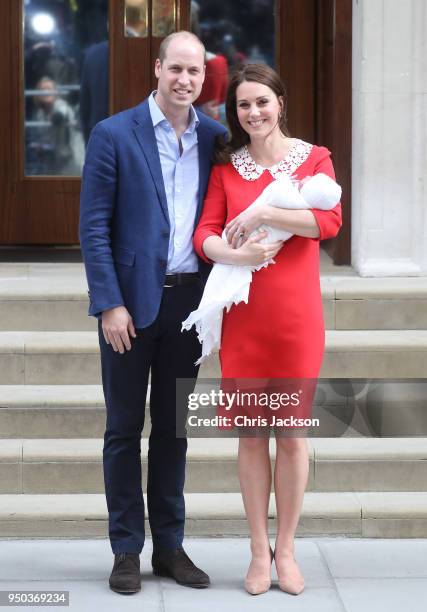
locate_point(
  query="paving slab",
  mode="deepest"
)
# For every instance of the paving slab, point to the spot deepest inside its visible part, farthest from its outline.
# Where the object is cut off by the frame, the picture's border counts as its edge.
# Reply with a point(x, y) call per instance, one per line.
point(383, 594)
point(376, 558)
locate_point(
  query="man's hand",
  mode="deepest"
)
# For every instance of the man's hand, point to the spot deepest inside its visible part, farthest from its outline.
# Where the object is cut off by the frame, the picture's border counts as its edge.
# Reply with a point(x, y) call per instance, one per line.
point(117, 324)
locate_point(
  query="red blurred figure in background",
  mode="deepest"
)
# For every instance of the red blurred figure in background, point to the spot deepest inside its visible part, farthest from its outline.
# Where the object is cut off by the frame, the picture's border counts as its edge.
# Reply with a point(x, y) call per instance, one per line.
point(215, 86)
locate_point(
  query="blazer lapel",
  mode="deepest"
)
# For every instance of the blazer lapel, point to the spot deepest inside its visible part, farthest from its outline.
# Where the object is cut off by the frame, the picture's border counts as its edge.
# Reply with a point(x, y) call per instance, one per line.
point(144, 132)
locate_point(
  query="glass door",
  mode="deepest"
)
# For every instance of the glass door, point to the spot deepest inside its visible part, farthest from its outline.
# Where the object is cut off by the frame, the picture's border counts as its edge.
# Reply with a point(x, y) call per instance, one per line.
point(67, 65)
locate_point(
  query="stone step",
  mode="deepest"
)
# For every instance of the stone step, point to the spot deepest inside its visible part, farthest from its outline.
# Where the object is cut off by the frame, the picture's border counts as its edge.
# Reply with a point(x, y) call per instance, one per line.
point(386, 354)
point(358, 514)
point(38, 358)
point(45, 303)
point(78, 411)
point(398, 409)
point(46, 300)
point(52, 411)
point(61, 304)
point(380, 303)
point(75, 466)
point(342, 464)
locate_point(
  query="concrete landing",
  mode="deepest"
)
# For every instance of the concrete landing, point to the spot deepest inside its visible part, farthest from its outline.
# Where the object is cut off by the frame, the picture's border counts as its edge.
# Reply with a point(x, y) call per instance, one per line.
point(341, 575)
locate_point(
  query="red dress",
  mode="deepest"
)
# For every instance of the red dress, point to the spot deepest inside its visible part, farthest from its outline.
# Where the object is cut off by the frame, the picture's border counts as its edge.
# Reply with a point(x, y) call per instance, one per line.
point(280, 332)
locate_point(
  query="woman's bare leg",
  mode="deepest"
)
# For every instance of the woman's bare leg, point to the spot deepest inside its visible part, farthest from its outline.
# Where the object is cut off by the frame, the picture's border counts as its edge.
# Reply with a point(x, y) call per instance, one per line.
point(254, 470)
point(290, 481)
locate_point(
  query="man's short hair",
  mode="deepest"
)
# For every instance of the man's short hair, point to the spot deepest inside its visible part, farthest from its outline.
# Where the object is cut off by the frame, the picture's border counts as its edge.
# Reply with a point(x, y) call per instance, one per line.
point(181, 34)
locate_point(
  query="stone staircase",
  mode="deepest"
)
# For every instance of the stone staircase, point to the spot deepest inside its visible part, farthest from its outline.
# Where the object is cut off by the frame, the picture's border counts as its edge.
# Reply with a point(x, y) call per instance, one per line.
point(52, 416)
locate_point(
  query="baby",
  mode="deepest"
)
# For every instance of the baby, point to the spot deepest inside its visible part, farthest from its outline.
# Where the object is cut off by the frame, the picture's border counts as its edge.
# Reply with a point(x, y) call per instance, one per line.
point(229, 284)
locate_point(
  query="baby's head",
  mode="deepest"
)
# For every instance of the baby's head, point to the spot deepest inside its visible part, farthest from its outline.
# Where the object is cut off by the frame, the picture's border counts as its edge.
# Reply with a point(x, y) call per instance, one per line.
point(320, 191)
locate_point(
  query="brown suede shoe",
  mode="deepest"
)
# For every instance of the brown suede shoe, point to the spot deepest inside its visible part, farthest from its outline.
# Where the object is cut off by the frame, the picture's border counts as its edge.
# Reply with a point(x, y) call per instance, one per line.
point(176, 564)
point(126, 577)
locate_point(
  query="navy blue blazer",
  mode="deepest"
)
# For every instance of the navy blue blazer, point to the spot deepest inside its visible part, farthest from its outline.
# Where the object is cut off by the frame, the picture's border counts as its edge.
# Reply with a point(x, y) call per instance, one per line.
point(124, 222)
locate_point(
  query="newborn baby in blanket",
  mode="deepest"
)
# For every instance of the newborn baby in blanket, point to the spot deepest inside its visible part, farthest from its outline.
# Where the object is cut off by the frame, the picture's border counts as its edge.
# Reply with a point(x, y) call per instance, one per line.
point(229, 284)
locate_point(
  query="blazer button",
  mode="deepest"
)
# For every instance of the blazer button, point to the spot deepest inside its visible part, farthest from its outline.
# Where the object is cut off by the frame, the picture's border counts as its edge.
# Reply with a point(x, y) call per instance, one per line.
point(165, 234)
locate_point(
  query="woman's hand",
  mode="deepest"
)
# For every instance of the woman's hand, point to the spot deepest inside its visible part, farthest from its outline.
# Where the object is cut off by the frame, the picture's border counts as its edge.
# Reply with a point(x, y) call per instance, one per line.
point(241, 226)
point(252, 253)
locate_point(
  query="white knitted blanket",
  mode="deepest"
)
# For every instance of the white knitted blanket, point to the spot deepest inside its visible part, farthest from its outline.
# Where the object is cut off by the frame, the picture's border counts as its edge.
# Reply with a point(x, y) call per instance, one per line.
point(229, 284)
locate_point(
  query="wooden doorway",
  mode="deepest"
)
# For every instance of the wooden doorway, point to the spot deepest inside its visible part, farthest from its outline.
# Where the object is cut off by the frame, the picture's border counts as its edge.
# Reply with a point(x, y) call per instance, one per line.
point(312, 53)
point(315, 58)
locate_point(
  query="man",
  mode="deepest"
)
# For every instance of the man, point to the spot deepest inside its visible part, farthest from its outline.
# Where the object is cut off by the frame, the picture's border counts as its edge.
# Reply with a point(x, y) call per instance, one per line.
point(144, 181)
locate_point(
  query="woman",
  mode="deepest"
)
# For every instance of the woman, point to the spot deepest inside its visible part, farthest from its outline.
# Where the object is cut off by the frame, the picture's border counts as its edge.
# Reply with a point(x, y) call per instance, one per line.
point(279, 334)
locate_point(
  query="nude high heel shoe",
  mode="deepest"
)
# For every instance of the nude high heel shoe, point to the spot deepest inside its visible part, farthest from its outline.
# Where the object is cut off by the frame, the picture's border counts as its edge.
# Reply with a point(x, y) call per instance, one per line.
point(260, 584)
point(292, 584)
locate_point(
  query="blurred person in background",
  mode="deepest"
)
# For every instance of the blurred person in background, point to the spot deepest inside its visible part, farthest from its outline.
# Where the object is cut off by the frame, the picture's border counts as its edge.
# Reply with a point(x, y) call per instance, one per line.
point(52, 142)
point(94, 88)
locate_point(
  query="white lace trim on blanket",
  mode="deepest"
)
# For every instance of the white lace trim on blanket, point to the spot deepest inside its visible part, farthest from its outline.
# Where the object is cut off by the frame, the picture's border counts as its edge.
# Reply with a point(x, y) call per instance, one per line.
point(248, 169)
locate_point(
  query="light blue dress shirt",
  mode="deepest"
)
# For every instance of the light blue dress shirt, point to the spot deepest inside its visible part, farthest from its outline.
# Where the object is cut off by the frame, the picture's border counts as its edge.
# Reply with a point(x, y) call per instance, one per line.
point(180, 171)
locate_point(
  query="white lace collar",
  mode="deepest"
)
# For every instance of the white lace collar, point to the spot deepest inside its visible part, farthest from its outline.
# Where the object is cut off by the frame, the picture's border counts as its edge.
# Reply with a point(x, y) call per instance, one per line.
point(247, 167)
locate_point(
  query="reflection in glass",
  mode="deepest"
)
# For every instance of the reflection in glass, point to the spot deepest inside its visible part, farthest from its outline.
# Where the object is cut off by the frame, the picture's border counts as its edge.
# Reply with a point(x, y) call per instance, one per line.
point(163, 18)
point(65, 81)
point(234, 33)
point(136, 18)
